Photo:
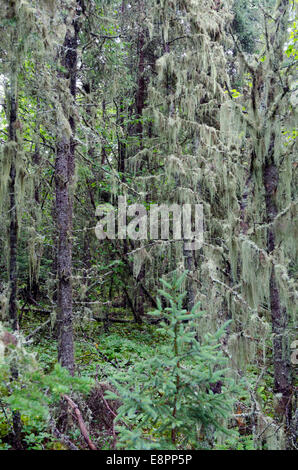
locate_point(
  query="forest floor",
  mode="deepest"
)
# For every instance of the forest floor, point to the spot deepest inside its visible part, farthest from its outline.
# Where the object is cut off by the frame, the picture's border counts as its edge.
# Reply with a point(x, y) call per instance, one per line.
point(98, 354)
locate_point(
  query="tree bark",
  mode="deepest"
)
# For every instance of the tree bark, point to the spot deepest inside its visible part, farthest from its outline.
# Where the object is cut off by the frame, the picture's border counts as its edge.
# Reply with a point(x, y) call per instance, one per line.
point(279, 316)
point(13, 215)
point(13, 228)
point(64, 173)
point(141, 90)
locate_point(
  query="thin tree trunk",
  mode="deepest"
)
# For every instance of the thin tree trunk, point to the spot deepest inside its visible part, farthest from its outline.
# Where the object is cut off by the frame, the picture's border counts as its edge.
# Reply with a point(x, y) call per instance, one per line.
point(140, 96)
point(140, 104)
point(189, 266)
point(121, 142)
point(13, 226)
point(13, 248)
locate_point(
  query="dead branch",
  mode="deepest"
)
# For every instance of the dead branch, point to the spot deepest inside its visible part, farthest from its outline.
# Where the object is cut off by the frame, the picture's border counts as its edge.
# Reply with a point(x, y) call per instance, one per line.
point(41, 327)
point(81, 423)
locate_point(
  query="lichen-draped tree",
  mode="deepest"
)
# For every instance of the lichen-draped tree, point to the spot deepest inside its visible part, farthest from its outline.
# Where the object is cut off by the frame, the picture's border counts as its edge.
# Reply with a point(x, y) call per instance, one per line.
point(268, 247)
point(138, 34)
point(42, 24)
point(18, 21)
point(11, 152)
point(184, 101)
point(203, 153)
point(100, 84)
point(114, 85)
point(14, 126)
point(64, 179)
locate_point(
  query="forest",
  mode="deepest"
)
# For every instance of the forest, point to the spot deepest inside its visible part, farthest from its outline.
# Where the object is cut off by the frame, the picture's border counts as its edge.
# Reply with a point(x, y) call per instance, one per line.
point(148, 211)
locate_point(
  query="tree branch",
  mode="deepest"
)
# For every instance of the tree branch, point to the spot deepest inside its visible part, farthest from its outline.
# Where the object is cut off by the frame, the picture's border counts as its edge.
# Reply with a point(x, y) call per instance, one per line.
point(81, 423)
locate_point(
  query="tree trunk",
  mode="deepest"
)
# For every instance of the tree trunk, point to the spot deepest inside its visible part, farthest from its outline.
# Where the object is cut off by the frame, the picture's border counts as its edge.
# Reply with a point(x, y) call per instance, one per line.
point(121, 141)
point(64, 173)
point(13, 226)
point(140, 96)
point(279, 315)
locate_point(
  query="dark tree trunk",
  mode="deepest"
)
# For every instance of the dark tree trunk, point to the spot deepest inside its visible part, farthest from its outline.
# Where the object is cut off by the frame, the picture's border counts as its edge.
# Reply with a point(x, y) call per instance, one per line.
point(140, 296)
point(13, 247)
point(140, 97)
point(34, 290)
point(140, 104)
point(64, 258)
point(103, 151)
point(189, 266)
point(64, 173)
point(279, 315)
point(13, 228)
point(121, 141)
